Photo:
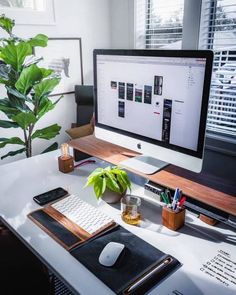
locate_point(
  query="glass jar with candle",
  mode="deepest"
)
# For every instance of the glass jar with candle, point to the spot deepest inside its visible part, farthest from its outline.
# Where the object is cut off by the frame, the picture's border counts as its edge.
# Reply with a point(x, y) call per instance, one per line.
point(65, 154)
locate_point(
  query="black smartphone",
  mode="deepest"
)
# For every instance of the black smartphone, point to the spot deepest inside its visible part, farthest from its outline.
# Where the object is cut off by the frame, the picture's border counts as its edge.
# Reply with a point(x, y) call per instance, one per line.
point(50, 196)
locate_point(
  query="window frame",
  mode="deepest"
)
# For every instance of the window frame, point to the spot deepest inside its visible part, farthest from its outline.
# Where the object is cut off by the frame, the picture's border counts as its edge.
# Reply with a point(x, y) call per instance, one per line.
point(190, 40)
point(216, 141)
point(26, 16)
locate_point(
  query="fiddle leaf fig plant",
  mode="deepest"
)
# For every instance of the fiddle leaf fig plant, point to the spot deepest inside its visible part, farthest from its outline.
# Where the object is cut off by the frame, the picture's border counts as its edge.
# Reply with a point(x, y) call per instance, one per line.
point(111, 178)
point(27, 88)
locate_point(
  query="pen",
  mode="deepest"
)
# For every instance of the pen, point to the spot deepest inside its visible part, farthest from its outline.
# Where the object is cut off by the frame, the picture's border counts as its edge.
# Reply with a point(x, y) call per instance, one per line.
point(140, 281)
point(175, 199)
point(168, 195)
point(181, 202)
point(180, 195)
point(164, 197)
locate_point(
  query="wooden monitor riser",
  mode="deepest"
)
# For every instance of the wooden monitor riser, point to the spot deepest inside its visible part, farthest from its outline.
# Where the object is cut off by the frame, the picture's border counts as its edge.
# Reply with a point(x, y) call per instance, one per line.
point(115, 154)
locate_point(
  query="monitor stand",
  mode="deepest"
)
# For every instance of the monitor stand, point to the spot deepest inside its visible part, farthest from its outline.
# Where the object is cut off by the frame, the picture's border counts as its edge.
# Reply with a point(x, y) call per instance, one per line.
point(144, 164)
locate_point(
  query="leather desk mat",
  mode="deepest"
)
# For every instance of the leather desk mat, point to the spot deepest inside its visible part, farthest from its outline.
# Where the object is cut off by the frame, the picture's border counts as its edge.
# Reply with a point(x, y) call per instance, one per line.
point(137, 259)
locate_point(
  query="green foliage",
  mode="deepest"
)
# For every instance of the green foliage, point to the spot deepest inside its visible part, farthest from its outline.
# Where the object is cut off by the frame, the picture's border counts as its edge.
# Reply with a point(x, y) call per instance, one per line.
point(8, 124)
point(45, 87)
point(45, 106)
point(13, 153)
point(28, 77)
point(6, 24)
point(13, 140)
point(15, 54)
point(48, 132)
point(7, 108)
point(52, 147)
point(113, 178)
point(24, 120)
point(39, 40)
point(28, 87)
point(4, 72)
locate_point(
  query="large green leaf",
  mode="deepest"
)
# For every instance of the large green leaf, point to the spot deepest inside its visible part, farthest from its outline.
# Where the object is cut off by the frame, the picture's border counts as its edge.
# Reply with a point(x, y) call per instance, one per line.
point(18, 104)
point(13, 153)
point(24, 119)
point(121, 182)
point(8, 75)
point(28, 77)
point(98, 187)
point(104, 184)
point(45, 87)
point(112, 181)
point(39, 40)
point(14, 54)
point(6, 108)
point(17, 94)
point(98, 172)
point(46, 72)
point(8, 124)
point(91, 180)
point(6, 24)
point(113, 185)
point(4, 71)
point(47, 133)
point(13, 140)
point(122, 177)
point(52, 147)
point(46, 106)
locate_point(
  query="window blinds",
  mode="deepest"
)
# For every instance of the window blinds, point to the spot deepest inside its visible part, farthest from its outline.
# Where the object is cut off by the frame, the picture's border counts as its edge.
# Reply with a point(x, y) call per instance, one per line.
point(218, 33)
point(164, 22)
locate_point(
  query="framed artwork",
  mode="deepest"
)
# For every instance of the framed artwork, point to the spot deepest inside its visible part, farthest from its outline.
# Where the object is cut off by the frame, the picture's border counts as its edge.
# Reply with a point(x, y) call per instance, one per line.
point(29, 12)
point(64, 56)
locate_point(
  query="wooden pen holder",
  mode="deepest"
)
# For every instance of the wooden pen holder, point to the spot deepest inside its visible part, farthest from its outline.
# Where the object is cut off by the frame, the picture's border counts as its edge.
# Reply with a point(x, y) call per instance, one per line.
point(171, 219)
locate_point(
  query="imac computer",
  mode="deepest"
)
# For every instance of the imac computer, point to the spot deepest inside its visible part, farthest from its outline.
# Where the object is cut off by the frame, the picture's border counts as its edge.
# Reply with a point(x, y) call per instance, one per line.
point(154, 102)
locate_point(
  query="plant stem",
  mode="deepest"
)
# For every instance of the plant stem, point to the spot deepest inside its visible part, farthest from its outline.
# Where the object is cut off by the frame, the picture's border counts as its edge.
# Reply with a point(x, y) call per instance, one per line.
point(28, 141)
point(29, 147)
point(31, 127)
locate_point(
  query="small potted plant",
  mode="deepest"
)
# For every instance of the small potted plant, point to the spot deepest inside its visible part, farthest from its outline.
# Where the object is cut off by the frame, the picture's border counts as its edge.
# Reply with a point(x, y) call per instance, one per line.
point(110, 183)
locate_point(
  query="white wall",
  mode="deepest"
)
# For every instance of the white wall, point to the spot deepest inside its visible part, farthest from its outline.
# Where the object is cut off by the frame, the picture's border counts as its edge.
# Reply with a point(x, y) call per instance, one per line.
point(122, 24)
point(88, 19)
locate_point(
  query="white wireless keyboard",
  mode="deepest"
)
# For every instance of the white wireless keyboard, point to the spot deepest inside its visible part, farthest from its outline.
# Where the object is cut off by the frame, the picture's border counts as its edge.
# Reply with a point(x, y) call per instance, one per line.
point(83, 214)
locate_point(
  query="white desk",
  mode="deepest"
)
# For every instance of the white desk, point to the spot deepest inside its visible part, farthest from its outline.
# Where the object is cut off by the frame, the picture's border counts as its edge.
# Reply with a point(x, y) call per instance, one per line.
point(195, 245)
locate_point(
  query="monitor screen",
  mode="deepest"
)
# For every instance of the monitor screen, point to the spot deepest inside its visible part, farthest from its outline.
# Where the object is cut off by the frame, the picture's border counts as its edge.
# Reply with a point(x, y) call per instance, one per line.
point(158, 97)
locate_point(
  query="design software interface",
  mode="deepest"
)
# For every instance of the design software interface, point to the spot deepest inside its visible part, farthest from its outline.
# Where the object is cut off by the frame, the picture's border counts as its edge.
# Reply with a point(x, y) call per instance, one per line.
point(156, 97)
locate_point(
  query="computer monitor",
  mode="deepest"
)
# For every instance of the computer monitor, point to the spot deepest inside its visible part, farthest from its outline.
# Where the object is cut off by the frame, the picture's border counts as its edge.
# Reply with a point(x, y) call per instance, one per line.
point(154, 102)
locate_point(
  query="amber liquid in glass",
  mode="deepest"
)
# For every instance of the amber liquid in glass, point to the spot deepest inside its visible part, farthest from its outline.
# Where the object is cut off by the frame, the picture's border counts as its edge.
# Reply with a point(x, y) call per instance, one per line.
point(130, 218)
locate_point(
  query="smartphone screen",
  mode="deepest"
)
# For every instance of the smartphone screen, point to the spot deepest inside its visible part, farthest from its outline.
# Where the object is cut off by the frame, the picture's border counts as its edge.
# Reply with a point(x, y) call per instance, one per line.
point(50, 196)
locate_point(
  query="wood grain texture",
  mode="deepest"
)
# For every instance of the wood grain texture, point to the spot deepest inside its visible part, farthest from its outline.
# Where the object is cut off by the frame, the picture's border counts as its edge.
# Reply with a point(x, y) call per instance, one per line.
point(171, 219)
point(208, 220)
point(76, 230)
point(115, 154)
point(71, 226)
point(51, 234)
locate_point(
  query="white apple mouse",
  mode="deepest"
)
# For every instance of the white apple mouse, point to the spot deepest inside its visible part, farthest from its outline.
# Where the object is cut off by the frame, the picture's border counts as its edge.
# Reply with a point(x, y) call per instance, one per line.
point(110, 253)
